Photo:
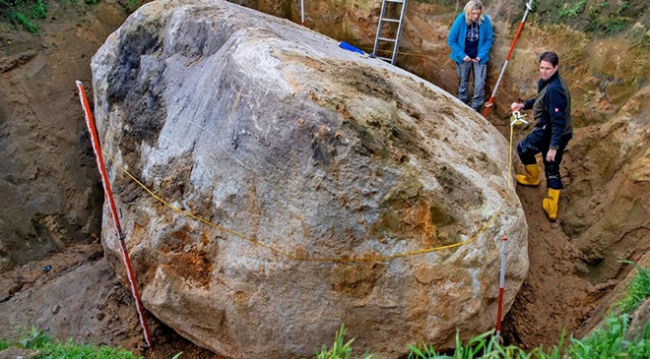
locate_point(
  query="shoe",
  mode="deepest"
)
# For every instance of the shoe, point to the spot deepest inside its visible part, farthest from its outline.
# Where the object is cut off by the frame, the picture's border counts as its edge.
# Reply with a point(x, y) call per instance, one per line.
point(531, 178)
point(550, 203)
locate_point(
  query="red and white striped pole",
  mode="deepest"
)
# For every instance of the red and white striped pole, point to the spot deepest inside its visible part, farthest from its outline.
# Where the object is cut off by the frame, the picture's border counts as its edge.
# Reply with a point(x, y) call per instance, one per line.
point(302, 12)
point(116, 220)
point(529, 7)
point(502, 283)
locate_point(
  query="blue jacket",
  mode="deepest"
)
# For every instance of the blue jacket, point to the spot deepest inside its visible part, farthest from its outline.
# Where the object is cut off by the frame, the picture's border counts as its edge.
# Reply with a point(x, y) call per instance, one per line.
point(456, 39)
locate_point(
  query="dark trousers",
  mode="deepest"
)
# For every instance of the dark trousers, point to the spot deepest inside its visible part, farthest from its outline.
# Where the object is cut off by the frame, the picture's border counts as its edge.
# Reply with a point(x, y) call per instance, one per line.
point(539, 141)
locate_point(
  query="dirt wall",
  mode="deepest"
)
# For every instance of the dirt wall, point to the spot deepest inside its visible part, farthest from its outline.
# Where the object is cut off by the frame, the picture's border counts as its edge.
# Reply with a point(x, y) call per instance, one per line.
point(49, 183)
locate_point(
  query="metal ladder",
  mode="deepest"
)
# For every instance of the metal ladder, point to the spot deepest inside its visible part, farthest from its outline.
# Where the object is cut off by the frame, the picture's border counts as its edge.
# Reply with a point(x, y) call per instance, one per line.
point(382, 21)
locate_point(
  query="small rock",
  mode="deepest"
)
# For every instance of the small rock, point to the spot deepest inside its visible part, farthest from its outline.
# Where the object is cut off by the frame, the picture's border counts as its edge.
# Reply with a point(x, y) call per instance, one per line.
point(100, 316)
point(56, 309)
point(6, 264)
point(19, 353)
point(580, 268)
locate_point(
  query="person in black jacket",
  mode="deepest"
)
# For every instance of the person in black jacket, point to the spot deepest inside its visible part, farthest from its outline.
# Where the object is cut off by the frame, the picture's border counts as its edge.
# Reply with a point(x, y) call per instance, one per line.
point(551, 133)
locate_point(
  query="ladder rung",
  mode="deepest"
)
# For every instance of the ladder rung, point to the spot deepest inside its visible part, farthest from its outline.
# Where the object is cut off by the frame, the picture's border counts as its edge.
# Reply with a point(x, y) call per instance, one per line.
point(385, 58)
point(386, 39)
point(397, 1)
point(390, 20)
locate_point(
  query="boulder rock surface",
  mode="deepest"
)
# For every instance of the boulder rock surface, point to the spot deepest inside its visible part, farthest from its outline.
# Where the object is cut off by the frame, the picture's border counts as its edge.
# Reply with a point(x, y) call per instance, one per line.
point(317, 169)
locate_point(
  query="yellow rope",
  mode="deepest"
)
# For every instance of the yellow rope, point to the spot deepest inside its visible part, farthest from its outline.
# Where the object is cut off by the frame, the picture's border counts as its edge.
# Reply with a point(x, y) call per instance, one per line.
point(368, 49)
point(323, 259)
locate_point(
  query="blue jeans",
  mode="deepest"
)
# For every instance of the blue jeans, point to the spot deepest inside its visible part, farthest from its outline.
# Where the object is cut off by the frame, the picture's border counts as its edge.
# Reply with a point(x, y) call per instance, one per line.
point(539, 141)
point(480, 72)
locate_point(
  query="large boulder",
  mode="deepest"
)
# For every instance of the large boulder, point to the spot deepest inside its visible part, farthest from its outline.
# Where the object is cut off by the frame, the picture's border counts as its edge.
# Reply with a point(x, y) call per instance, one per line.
point(304, 158)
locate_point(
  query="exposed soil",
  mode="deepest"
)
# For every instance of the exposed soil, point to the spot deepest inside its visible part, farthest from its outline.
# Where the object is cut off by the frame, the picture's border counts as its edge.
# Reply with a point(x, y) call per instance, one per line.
point(80, 296)
point(553, 297)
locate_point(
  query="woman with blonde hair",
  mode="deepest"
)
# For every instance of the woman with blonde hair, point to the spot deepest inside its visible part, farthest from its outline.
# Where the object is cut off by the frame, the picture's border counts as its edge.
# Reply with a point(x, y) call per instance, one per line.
point(470, 40)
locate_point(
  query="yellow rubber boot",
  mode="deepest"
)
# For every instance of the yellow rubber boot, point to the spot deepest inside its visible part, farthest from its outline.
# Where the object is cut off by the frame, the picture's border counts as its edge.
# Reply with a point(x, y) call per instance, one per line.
point(531, 178)
point(550, 203)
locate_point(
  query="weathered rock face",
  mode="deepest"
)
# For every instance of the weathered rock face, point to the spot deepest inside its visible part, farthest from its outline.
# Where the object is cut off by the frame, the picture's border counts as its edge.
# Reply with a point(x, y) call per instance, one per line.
point(273, 132)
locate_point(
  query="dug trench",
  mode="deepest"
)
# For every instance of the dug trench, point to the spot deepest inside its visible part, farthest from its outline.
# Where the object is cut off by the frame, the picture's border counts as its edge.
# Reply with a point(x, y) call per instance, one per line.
point(79, 296)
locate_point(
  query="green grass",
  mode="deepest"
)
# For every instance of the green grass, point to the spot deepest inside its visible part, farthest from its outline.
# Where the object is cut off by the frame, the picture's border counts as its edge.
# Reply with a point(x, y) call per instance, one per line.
point(40, 341)
point(609, 342)
point(24, 13)
point(485, 345)
point(38, 10)
point(608, 25)
point(637, 290)
point(574, 10)
point(341, 350)
point(22, 19)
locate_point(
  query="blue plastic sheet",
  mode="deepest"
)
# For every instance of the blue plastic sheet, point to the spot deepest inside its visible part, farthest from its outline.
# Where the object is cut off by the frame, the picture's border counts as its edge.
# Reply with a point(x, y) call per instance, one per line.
point(346, 46)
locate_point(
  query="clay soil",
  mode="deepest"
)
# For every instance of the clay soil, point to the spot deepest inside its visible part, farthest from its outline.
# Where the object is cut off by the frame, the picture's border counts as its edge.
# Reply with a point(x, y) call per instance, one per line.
point(81, 298)
point(553, 297)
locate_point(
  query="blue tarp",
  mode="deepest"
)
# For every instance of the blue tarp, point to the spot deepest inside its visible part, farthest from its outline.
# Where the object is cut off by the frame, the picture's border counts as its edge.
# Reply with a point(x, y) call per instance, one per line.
point(345, 45)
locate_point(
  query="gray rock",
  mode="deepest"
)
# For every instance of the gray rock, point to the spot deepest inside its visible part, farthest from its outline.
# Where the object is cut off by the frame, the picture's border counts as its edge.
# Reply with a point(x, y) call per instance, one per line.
point(273, 132)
